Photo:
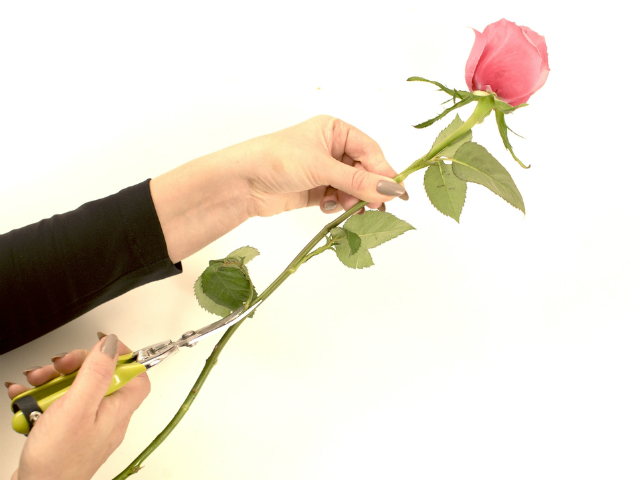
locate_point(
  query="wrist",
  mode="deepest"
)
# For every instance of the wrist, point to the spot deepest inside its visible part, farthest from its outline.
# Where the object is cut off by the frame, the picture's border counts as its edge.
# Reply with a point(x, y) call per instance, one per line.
point(199, 202)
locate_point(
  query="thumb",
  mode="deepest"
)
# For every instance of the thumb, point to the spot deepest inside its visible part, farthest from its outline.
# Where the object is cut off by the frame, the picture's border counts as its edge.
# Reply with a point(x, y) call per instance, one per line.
point(360, 183)
point(94, 377)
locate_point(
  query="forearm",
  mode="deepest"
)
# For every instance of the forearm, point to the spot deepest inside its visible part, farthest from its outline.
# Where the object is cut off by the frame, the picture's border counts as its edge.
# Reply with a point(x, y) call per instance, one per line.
point(59, 268)
point(202, 200)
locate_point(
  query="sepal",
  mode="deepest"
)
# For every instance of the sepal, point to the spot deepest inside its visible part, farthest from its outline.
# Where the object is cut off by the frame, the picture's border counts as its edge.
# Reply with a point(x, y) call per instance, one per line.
point(502, 128)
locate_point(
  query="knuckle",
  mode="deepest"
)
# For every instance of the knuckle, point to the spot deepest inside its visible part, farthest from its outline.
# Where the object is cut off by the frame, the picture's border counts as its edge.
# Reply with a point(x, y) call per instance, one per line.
point(146, 387)
point(117, 429)
point(323, 118)
point(117, 437)
point(99, 372)
point(372, 151)
point(359, 180)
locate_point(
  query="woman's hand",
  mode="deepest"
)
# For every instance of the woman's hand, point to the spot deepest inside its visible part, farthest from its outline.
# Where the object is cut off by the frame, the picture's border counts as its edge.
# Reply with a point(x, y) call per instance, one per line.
point(76, 434)
point(323, 161)
point(319, 161)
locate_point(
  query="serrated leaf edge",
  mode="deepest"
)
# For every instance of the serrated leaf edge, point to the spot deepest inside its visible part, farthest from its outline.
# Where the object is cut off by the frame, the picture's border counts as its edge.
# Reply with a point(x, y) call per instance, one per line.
point(377, 213)
point(464, 201)
point(195, 292)
point(231, 255)
point(523, 210)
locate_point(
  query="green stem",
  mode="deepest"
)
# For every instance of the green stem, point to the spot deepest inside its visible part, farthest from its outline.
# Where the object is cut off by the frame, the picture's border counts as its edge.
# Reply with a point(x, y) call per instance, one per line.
point(318, 251)
point(301, 258)
point(135, 466)
point(484, 107)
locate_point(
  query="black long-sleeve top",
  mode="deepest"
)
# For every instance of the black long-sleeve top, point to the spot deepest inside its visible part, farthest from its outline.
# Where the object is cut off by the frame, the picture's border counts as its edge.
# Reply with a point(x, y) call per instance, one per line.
point(57, 269)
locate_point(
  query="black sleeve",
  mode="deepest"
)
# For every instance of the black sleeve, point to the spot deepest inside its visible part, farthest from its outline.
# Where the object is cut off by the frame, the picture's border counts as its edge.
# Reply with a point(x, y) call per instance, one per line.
point(57, 269)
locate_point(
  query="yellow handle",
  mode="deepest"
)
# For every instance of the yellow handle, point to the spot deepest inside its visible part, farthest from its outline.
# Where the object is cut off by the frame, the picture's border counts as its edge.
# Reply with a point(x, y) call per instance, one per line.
point(47, 393)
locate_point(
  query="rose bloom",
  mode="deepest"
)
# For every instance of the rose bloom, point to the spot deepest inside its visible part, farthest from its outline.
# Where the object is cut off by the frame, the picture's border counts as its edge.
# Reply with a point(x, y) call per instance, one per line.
point(508, 60)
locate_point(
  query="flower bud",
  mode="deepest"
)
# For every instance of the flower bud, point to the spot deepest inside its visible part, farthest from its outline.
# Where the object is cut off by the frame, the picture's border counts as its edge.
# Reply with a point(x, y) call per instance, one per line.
point(508, 60)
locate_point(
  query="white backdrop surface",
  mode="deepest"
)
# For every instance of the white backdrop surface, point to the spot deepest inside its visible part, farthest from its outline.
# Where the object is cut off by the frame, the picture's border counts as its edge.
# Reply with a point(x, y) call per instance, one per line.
point(504, 347)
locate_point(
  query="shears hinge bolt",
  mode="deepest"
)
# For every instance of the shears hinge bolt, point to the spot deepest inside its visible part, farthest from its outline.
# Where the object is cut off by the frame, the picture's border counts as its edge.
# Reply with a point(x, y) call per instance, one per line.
point(34, 416)
point(186, 335)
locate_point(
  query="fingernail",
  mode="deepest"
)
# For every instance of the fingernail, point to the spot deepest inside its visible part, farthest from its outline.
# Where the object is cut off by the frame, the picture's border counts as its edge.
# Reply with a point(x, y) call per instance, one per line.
point(385, 187)
point(110, 345)
point(8, 384)
point(382, 208)
point(360, 212)
point(100, 335)
point(57, 356)
point(330, 205)
point(30, 369)
point(404, 196)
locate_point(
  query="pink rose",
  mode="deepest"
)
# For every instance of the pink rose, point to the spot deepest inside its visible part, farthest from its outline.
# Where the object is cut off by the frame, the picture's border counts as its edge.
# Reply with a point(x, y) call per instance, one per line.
point(508, 60)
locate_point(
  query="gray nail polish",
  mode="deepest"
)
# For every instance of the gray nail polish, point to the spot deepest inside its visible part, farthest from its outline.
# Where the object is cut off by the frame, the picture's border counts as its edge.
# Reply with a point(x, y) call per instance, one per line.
point(101, 335)
point(386, 187)
point(330, 205)
point(382, 208)
point(30, 369)
point(58, 355)
point(8, 384)
point(404, 196)
point(110, 345)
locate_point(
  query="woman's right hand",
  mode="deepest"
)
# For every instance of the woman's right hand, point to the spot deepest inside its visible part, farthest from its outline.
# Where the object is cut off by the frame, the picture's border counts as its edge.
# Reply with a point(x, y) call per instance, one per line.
point(76, 435)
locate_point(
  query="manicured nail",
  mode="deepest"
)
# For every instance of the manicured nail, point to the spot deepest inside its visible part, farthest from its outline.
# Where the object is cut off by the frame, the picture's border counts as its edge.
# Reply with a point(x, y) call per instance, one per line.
point(330, 205)
point(57, 356)
point(385, 187)
point(30, 369)
point(404, 196)
point(360, 212)
point(100, 335)
point(382, 208)
point(110, 345)
point(8, 384)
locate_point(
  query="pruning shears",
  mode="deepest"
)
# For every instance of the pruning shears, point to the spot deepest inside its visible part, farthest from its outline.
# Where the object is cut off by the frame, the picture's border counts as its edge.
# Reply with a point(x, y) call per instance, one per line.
point(29, 405)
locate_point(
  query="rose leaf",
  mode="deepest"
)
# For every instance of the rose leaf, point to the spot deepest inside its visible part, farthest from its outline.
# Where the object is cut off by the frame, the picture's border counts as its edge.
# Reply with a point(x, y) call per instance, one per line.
point(375, 227)
point(353, 240)
point(445, 191)
point(246, 253)
point(451, 149)
point(360, 259)
point(208, 304)
point(473, 163)
point(226, 282)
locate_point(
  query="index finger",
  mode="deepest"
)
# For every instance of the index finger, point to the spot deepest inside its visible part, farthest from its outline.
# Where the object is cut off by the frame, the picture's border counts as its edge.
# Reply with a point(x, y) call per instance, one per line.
point(358, 146)
point(73, 360)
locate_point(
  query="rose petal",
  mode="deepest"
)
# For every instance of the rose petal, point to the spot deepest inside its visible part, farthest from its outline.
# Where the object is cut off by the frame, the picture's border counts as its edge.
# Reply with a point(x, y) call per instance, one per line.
point(541, 45)
point(514, 102)
point(510, 63)
point(490, 30)
point(541, 81)
point(474, 56)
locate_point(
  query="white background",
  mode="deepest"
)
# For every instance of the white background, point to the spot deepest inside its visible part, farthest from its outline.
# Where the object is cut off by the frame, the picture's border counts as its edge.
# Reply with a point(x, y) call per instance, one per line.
point(504, 347)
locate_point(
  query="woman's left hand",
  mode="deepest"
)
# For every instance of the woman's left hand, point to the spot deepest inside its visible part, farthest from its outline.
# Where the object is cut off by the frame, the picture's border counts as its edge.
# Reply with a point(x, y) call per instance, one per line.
point(322, 161)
